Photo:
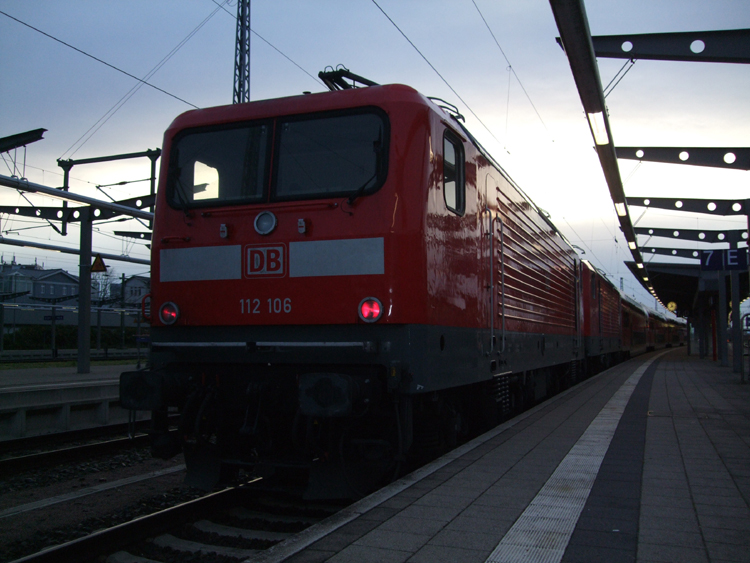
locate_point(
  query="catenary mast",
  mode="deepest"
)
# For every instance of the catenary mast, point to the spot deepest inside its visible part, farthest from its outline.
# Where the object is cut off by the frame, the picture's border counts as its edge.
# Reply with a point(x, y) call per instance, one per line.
point(242, 54)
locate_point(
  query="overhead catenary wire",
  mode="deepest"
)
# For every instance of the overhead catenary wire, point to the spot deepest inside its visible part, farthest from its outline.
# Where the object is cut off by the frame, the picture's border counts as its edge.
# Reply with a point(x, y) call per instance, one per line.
point(607, 90)
point(83, 139)
point(14, 159)
point(56, 173)
point(6, 164)
point(507, 106)
point(95, 230)
point(98, 59)
point(51, 224)
point(100, 188)
point(267, 42)
point(583, 242)
point(510, 68)
point(435, 70)
point(122, 183)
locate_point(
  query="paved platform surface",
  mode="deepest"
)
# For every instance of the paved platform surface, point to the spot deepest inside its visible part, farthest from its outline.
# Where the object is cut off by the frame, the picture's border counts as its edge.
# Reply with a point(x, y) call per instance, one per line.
point(648, 461)
point(53, 376)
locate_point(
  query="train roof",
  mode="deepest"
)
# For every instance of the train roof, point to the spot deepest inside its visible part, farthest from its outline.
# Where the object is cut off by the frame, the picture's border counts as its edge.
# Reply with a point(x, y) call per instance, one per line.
point(372, 94)
point(299, 104)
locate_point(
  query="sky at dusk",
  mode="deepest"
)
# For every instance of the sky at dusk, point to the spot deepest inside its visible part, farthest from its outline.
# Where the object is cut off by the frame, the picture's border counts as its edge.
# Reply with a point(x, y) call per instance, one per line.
point(515, 89)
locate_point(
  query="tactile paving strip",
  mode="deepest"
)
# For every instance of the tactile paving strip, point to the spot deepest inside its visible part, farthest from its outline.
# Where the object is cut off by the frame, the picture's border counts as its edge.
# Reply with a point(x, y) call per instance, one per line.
point(542, 532)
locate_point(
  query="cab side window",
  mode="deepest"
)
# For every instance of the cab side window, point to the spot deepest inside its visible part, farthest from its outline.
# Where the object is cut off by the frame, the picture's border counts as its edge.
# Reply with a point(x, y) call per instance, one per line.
point(453, 173)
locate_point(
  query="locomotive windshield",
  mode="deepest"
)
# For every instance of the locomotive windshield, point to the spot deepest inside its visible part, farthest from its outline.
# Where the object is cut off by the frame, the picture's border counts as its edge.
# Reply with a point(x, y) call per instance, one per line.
point(318, 156)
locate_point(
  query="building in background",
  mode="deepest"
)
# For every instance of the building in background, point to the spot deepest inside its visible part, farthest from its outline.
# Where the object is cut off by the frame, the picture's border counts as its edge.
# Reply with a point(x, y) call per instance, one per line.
point(136, 287)
point(57, 284)
point(40, 283)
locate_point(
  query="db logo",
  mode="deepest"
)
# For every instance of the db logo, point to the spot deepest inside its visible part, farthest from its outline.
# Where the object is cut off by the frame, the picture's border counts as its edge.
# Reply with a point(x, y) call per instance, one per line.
point(264, 261)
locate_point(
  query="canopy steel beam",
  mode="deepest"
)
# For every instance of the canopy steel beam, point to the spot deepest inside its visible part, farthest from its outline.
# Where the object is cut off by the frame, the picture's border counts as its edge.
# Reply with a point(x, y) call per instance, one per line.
point(676, 252)
point(66, 250)
point(737, 158)
point(729, 236)
point(8, 296)
point(722, 207)
point(575, 38)
point(54, 300)
point(727, 46)
point(26, 186)
point(73, 214)
point(153, 154)
point(133, 234)
point(21, 139)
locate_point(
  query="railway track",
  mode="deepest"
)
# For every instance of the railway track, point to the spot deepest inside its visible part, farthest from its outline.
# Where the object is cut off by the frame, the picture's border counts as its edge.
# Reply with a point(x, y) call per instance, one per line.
point(15, 464)
point(229, 525)
point(86, 441)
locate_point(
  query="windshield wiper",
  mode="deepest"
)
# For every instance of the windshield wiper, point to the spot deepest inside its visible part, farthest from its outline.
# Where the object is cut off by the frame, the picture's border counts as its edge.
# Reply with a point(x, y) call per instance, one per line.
point(352, 198)
point(179, 191)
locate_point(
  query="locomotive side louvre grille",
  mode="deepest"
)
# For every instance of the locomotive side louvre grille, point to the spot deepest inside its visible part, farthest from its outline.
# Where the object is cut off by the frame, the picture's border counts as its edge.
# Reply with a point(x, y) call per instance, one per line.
point(554, 297)
point(539, 282)
point(526, 272)
point(526, 254)
point(545, 309)
point(516, 309)
point(539, 285)
point(520, 300)
point(526, 268)
point(524, 317)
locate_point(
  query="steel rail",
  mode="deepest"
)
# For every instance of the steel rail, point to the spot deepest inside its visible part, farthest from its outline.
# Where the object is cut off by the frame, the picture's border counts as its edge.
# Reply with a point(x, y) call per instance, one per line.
point(113, 539)
point(8, 447)
point(14, 465)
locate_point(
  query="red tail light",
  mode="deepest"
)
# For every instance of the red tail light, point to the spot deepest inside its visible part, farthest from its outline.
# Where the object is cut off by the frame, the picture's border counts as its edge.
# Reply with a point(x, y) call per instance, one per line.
point(370, 310)
point(169, 313)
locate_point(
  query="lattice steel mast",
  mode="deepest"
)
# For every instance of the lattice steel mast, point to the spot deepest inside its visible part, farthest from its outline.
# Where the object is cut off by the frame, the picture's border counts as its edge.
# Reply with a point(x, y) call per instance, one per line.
point(242, 54)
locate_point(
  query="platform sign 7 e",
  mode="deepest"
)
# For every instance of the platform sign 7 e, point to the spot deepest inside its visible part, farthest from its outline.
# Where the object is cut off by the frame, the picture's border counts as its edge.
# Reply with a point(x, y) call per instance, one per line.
point(724, 259)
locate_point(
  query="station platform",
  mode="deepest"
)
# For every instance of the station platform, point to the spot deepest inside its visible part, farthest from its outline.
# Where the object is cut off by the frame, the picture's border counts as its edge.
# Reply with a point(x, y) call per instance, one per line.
point(19, 378)
point(38, 401)
point(648, 461)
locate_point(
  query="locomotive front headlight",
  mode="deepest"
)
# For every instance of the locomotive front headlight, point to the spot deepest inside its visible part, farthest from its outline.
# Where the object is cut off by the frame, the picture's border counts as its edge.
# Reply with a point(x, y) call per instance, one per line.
point(370, 309)
point(265, 223)
point(169, 313)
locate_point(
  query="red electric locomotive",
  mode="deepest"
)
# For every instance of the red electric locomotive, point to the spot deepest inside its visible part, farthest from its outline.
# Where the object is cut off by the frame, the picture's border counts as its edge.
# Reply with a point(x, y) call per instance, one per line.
point(342, 278)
